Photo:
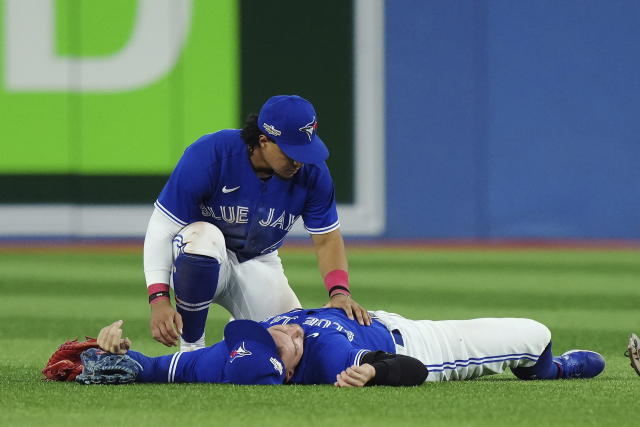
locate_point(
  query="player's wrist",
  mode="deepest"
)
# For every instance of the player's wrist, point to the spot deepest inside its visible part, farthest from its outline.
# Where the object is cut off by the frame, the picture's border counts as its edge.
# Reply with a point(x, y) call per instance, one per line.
point(339, 294)
point(158, 293)
point(336, 282)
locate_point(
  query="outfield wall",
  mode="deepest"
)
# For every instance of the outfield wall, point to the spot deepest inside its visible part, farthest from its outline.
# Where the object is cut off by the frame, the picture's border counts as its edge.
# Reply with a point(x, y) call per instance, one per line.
point(513, 119)
point(446, 119)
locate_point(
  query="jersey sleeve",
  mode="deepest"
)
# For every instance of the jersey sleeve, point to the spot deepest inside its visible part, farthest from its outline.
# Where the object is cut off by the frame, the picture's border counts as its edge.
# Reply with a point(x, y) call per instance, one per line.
point(191, 182)
point(332, 355)
point(320, 215)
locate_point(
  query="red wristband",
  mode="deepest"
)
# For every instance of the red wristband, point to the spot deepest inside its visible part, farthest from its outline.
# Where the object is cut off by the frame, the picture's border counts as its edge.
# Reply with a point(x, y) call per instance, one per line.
point(337, 282)
point(158, 292)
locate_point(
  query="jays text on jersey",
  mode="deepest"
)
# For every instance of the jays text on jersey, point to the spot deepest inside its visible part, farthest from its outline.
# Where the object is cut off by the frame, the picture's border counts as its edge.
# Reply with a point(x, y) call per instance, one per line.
point(332, 342)
point(214, 181)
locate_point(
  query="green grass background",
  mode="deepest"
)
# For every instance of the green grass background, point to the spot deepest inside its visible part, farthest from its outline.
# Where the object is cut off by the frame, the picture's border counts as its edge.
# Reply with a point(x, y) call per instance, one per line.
point(589, 299)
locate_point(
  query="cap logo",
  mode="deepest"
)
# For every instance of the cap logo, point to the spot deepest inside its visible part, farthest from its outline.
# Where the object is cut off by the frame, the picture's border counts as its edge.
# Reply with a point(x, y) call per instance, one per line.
point(239, 352)
point(310, 127)
point(271, 130)
point(276, 365)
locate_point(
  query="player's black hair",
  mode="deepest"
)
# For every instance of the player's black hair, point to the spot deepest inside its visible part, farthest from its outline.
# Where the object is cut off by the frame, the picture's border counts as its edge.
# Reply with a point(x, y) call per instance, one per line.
point(250, 133)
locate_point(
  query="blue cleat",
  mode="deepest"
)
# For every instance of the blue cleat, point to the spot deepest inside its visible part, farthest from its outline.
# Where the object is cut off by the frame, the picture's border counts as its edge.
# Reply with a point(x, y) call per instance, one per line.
point(580, 364)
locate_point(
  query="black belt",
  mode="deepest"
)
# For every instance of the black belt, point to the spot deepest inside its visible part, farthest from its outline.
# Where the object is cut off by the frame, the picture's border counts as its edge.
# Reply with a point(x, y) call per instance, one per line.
point(397, 337)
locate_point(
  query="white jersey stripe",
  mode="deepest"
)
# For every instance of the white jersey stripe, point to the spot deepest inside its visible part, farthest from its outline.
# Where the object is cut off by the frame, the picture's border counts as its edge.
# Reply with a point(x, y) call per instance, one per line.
point(169, 215)
point(173, 366)
point(323, 230)
point(173, 361)
point(359, 355)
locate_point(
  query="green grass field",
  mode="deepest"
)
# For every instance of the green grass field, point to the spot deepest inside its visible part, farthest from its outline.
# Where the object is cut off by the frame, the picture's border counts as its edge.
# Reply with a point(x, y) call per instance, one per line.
point(589, 299)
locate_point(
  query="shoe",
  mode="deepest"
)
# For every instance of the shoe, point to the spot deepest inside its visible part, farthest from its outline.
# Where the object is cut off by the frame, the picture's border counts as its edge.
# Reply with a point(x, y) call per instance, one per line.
point(580, 364)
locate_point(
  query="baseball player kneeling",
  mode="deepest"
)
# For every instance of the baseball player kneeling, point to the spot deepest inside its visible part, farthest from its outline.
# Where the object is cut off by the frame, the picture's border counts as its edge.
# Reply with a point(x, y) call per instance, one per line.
point(324, 346)
point(226, 209)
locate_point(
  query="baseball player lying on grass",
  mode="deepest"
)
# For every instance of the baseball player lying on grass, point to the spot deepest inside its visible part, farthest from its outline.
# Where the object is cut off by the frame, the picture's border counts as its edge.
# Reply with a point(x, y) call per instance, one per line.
point(324, 346)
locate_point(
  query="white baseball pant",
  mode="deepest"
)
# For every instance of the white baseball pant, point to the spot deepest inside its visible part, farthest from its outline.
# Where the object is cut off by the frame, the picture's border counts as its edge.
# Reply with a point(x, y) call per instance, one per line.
point(255, 289)
point(466, 349)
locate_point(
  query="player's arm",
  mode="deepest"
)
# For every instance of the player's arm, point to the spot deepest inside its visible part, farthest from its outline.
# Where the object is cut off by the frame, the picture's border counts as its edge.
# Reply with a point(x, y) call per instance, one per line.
point(177, 204)
point(380, 368)
point(165, 322)
point(332, 261)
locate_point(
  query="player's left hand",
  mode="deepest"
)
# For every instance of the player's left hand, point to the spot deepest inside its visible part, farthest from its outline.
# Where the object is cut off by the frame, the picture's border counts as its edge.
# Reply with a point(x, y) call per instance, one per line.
point(110, 339)
point(355, 376)
point(351, 307)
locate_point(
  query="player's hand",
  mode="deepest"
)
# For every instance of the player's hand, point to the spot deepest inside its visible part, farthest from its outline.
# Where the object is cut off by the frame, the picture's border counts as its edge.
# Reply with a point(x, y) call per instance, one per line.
point(110, 339)
point(355, 376)
point(351, 307)
point(166, 323)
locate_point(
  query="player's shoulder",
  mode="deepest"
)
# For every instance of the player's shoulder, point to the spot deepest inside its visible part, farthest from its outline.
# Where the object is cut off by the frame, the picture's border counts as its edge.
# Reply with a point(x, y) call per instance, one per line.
point(221, 144)
point(314, 174)
point(317, 168)
point(226, 140)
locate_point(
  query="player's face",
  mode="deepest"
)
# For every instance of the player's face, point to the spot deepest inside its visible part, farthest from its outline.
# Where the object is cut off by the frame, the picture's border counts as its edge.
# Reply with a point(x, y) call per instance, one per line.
point(283, 166)
point(290, 342)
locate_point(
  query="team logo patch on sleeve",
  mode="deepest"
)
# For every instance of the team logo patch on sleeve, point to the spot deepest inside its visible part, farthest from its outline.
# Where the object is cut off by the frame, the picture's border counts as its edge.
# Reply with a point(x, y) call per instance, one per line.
point(239, 352)
point(309, 128)
point(276, 365)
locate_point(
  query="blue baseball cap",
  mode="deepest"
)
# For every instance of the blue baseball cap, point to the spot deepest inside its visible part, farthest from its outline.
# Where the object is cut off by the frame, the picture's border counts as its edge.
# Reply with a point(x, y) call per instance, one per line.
point(291, 122)
point(253, 355)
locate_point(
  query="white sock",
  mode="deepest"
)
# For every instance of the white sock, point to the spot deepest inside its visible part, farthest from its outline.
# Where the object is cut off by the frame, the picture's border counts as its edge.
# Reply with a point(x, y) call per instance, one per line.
point(190, 346)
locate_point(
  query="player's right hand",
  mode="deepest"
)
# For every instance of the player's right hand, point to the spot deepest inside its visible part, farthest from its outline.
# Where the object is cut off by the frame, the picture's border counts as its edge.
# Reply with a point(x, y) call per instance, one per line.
point(110, 339)
point(166, 323)
point(355, 376)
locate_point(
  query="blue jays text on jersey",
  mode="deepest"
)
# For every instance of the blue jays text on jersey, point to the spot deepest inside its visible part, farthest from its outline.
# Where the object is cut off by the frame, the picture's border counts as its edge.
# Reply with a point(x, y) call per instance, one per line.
point(214, 181)
point(332, 343)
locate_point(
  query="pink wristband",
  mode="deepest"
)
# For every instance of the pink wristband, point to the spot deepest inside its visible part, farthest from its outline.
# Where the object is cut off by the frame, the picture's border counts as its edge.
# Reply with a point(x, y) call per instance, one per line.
point(157, 287)
point(337, 282)
point(158, 292)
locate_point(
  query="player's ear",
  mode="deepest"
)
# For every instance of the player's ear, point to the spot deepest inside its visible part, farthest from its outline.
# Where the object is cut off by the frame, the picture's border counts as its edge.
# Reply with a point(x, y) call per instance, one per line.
point(262, 140)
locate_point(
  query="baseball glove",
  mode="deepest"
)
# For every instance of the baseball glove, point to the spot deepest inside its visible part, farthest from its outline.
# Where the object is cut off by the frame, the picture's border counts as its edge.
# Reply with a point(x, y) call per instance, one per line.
point(65, 363)
point(101, 367)
point(633, 352)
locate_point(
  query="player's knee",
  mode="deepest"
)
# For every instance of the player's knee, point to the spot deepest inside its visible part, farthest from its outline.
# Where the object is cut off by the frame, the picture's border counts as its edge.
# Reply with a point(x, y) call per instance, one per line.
point(203, 238)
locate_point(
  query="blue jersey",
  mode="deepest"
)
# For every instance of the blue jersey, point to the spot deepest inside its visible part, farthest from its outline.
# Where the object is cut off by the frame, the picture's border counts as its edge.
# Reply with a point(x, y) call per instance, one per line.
point(332, 342)
point(214, 181)
point(206, 365)
point(246, 363)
